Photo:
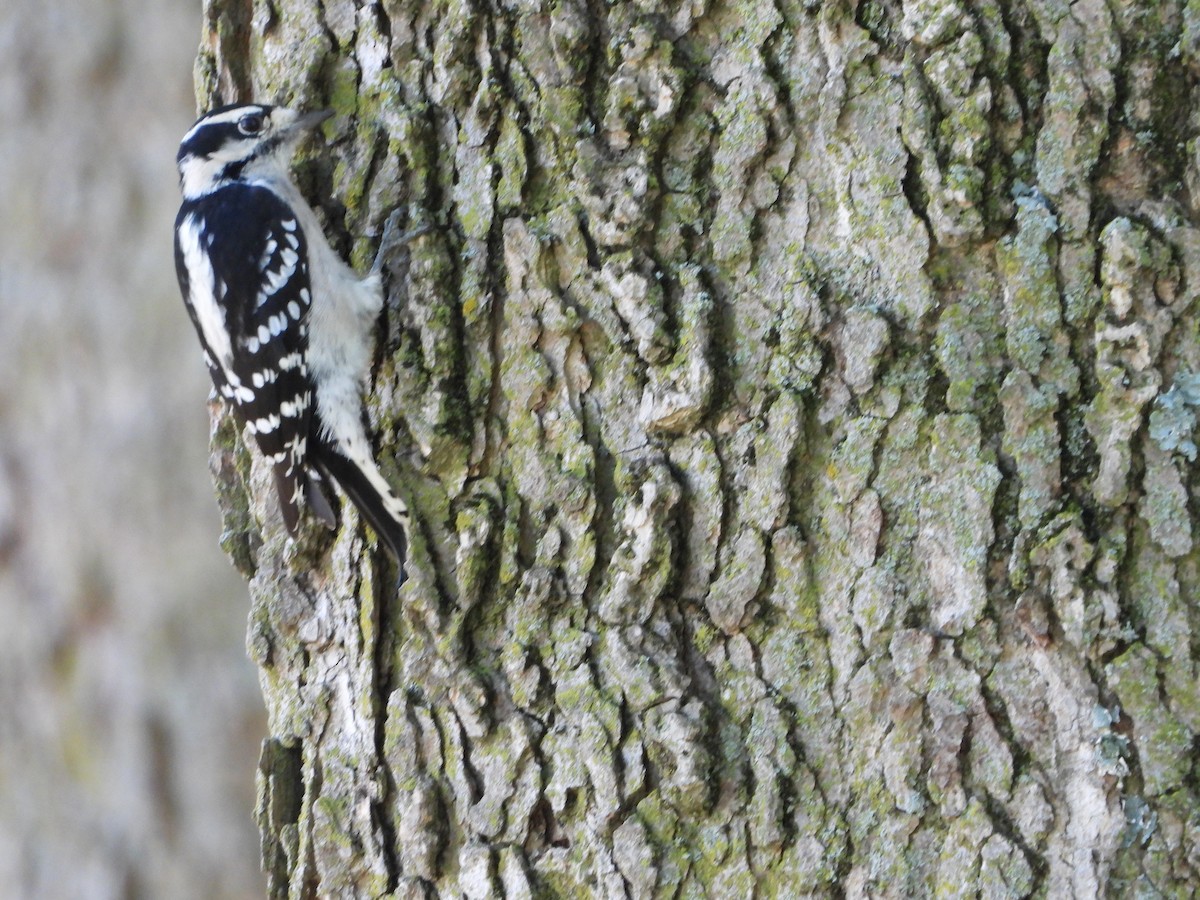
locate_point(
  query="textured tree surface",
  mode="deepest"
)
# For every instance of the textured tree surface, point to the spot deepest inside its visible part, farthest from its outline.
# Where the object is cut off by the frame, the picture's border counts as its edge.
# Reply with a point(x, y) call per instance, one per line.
point(797, 401)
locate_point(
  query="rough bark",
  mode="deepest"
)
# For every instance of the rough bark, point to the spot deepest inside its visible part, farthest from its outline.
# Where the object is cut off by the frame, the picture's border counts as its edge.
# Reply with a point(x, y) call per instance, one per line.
point(798, 404)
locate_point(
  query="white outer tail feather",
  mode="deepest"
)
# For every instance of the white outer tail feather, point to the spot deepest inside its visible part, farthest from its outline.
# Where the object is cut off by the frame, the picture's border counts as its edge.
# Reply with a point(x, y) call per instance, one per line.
point(355, 471)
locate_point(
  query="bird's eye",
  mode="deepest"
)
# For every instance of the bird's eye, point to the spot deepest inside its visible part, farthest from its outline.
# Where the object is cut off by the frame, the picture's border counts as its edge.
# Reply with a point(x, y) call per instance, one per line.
point(250, 124)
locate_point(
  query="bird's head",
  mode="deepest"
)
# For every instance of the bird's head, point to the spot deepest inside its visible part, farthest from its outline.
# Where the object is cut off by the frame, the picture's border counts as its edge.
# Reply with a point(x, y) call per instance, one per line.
point(241, 142)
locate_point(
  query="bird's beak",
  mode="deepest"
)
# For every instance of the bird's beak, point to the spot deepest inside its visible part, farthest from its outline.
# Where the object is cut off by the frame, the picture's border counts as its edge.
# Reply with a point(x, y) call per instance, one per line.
point(305, 123)
point(309, 121)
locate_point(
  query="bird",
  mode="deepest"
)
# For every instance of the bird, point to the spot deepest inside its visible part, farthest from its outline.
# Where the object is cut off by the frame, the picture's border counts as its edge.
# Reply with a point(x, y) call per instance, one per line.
point(285, 325)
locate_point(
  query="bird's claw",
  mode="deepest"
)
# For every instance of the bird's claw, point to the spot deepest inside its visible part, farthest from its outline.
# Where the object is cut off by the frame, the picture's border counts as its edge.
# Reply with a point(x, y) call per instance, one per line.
point(393, 239)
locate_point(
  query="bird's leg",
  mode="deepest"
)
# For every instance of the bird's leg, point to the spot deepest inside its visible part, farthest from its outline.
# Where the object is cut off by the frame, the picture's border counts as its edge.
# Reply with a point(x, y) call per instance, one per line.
point(393, 239)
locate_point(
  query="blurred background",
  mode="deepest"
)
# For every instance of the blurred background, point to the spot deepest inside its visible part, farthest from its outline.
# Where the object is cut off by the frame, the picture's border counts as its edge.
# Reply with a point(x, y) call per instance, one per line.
point(129, 715)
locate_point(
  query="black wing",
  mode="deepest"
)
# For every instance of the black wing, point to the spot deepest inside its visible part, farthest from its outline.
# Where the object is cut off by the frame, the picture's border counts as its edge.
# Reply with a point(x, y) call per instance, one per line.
point(243, 269)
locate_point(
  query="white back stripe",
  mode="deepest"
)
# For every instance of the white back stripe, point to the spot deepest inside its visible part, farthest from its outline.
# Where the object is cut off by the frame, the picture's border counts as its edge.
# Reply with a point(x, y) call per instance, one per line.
point(202, 295)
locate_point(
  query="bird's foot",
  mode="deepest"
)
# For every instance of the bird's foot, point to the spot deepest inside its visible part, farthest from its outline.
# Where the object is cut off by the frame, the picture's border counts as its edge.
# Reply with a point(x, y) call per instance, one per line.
point(393, 239)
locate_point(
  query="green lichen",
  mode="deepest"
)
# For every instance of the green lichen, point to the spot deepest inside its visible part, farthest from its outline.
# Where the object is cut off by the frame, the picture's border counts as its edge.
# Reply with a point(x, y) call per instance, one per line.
point(1161, 740)
point(511, 159)
point(1031, 438)
point(240, 536)
point(1026, 262)
point(964, 349)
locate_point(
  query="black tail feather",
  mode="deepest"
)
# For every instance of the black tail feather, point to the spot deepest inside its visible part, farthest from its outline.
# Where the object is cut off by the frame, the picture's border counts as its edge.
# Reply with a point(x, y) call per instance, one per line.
point(291, 487)
point(364, 495)
point(318, 501)
point(287, 491)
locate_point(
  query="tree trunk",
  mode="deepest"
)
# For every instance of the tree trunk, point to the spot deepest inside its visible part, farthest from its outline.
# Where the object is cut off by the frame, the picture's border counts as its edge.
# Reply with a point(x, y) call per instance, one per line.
point(797, 402)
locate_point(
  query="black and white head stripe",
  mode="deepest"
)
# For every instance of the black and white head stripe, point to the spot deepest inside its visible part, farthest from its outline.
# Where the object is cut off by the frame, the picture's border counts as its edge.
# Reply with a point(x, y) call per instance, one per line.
point(246, 142)
point(224, 127)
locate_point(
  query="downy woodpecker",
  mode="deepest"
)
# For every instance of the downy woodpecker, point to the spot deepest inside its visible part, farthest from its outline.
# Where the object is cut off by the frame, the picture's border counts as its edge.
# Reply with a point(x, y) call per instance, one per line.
point(284, 323)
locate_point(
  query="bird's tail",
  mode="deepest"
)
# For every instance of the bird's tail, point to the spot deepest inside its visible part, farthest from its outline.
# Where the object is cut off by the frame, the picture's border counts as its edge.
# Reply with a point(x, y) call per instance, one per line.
point(294, 484)
point(367, 489)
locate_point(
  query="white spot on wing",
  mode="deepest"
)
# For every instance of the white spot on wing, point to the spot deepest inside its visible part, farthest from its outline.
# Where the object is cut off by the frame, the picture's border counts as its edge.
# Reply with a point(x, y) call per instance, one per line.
point(277, 279)
point(268, 252)
point(294, 408)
